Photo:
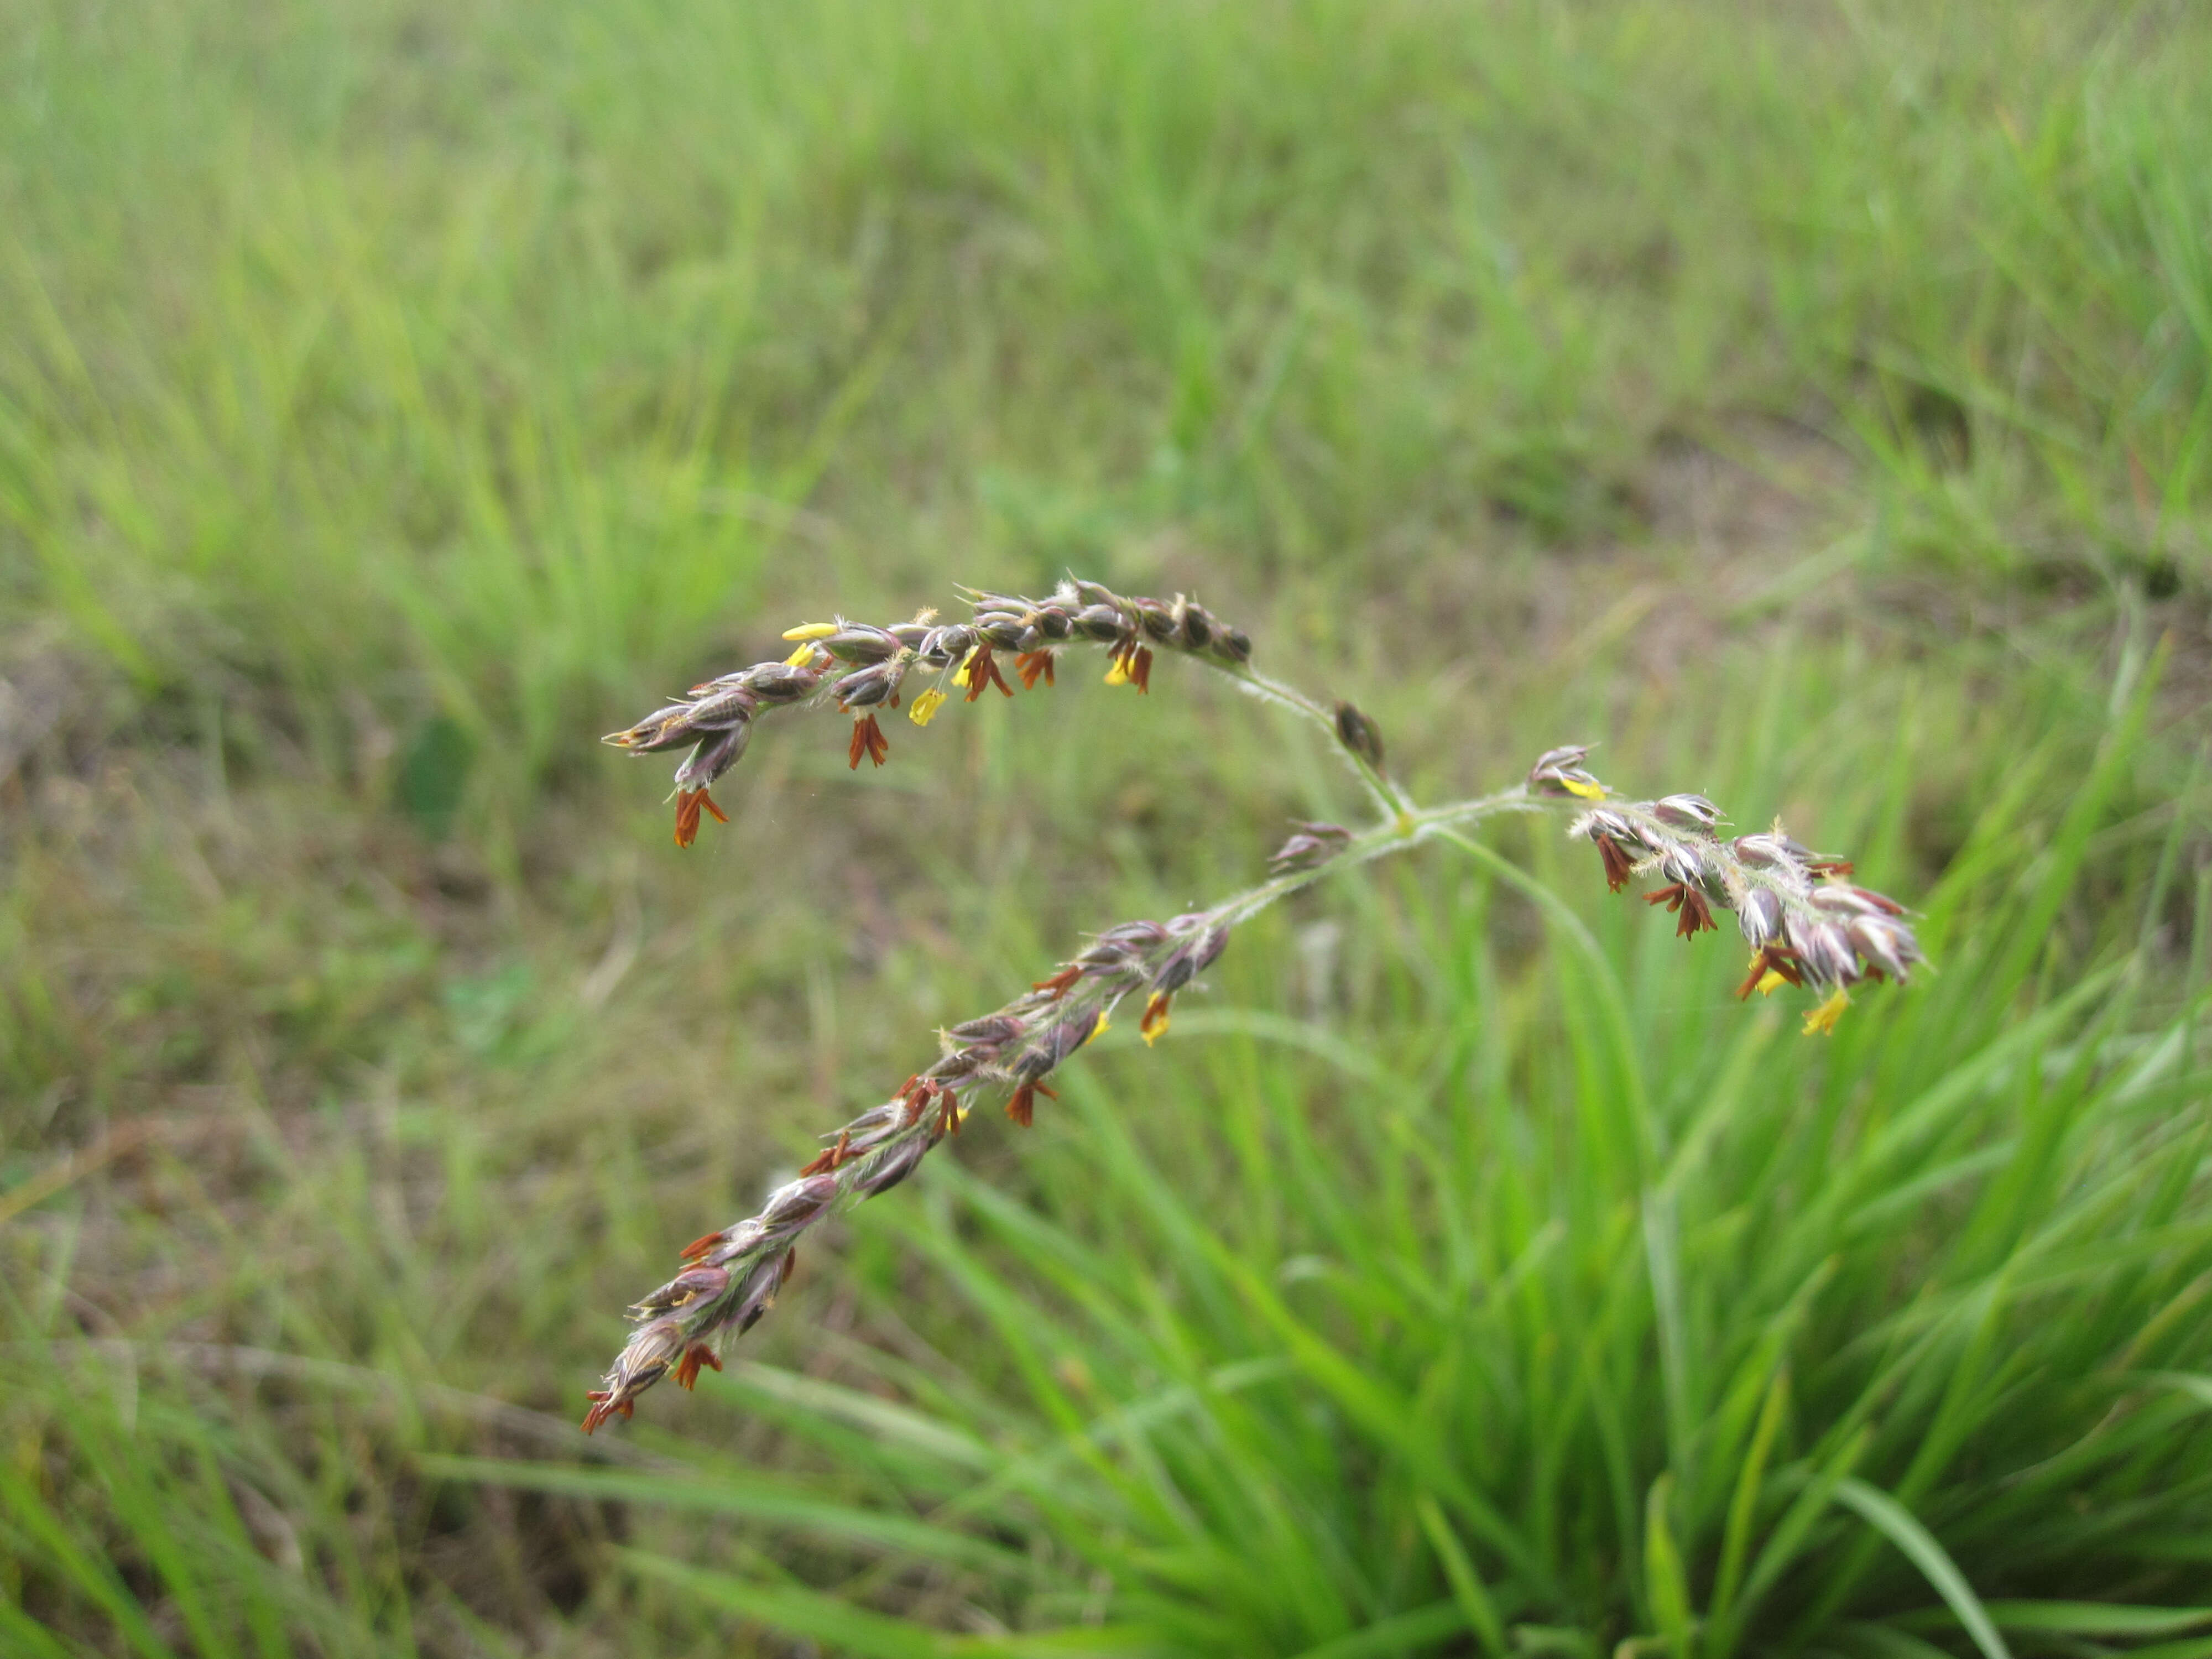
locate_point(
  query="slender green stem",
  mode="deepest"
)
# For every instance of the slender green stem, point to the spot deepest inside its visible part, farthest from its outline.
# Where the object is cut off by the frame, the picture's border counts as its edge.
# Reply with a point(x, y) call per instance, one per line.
point(1387, 796)
point(1401, 833)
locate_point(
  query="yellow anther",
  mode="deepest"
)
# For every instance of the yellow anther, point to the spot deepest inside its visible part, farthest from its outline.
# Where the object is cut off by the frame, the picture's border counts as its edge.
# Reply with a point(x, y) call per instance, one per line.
point(1118, 675)
point(811, 631)
point(800, 658)
point(926, 707)
point(1770, 983)
point(1823, 1018)
point(1587, 791)
point(1098, 1030)
point(1158, 1030)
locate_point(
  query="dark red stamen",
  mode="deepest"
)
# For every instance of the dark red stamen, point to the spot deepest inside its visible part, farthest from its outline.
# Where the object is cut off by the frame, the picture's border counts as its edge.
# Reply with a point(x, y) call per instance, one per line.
point(1771, 959)
point(1031, 663)
point(1697, 916)
point(830, 1157)
point(1059, 982)
point(867, 739)
point(604, 1406)
point(687, 1368)
point(1022, 1107)
point(1619, 867)
point(917, 1095)
point(982, 671)
point(688, 802)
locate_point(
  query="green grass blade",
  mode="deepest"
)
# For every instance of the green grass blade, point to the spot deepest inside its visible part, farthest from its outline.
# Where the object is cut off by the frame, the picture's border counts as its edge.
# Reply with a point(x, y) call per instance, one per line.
point(1665, 1583)
point(1468, 1588)
point(1898, 1524)
point(1396, 1634)
point(752, 1500)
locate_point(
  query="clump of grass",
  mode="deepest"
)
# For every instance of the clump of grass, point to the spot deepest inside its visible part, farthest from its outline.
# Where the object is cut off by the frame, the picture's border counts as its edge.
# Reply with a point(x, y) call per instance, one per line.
point(1056, 1366)
point(1567, 1324)
point(389, 388)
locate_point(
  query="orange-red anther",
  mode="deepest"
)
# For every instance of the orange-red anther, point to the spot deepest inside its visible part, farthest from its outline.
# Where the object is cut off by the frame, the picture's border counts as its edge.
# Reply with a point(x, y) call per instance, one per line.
point(604, 1406)
point(867, 739)
point(1059, 982)
point(982, 671)
point(1619, 867)
point(688, 805)
point(687, 1368)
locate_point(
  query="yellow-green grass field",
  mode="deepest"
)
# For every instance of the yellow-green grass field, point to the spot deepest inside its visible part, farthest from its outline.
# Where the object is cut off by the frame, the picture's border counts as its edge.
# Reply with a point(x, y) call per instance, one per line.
point(1811, 404)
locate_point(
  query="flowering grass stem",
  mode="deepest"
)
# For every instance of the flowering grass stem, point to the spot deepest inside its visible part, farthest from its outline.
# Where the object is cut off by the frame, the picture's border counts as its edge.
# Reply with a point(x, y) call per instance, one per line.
point(1806, 925)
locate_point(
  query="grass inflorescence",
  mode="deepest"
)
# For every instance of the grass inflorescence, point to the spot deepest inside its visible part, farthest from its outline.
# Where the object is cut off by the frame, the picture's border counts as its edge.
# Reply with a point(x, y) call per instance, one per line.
point(1806, 925)
point(864, 669)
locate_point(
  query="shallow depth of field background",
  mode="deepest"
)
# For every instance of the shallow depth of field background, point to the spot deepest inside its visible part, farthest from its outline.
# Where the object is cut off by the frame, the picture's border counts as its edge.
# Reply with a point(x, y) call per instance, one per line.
point(1811, 404)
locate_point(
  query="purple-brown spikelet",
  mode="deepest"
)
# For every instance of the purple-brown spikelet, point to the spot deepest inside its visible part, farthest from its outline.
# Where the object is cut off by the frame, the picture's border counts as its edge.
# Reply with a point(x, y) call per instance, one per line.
point(1310, 846)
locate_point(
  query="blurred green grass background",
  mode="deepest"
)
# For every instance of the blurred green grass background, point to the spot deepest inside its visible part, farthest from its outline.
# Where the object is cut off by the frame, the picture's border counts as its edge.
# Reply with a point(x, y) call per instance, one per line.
point(1811, 403)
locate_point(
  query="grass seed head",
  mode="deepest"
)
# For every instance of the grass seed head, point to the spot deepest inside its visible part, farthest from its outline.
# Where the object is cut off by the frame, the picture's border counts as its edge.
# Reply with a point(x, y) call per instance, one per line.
point(1805, 924)
point(731, 1278)
point(864, 667)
